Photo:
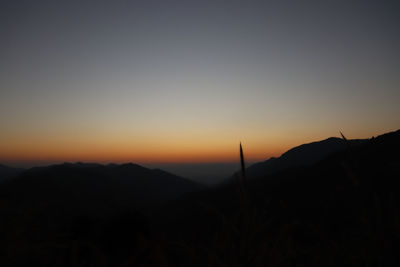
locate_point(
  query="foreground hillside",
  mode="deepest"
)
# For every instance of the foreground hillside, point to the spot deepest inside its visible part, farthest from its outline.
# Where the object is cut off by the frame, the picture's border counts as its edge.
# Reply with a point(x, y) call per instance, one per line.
point(341, 210)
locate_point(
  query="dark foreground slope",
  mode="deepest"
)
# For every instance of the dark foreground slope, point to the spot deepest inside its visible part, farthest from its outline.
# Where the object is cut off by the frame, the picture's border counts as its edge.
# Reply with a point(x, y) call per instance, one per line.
point(340, 211)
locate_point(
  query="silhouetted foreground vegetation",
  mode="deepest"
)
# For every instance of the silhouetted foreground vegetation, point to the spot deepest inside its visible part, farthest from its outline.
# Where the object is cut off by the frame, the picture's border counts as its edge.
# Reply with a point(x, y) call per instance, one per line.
point(342, 210)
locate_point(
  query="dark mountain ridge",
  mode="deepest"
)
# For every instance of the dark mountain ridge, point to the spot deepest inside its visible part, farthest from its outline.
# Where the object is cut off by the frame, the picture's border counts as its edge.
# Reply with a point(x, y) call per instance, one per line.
point(99, 187)
point(343, 210)
point(9, 172)
point(303, 155)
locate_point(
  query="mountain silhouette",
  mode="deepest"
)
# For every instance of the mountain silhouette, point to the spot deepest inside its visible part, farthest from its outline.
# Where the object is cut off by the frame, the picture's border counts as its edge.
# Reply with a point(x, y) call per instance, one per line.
point(332, 211)
point(9, 172)
point(97, 188)
point(303, 155)
point(336, 204)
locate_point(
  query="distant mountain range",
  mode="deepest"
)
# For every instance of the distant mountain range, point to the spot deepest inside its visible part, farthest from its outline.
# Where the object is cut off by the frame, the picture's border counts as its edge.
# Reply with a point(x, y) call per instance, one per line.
point(303, 155)
point(8, 172)
point(91, 187)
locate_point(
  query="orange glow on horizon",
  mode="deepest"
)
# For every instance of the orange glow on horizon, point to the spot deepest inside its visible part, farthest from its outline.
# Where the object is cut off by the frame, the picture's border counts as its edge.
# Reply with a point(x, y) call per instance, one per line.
point(179, 155)
point(145, 152)
point(103, 148)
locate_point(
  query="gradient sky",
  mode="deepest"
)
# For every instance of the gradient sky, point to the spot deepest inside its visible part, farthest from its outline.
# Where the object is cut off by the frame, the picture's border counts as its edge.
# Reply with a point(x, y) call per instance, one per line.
point(185, 81)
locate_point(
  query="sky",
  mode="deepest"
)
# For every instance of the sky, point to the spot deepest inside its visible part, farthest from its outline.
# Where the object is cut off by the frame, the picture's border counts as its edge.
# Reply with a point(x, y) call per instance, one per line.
point(185, 81)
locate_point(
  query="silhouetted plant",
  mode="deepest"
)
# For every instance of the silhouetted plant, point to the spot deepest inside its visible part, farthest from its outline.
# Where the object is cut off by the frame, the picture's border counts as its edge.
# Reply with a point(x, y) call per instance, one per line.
point(348, 163)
